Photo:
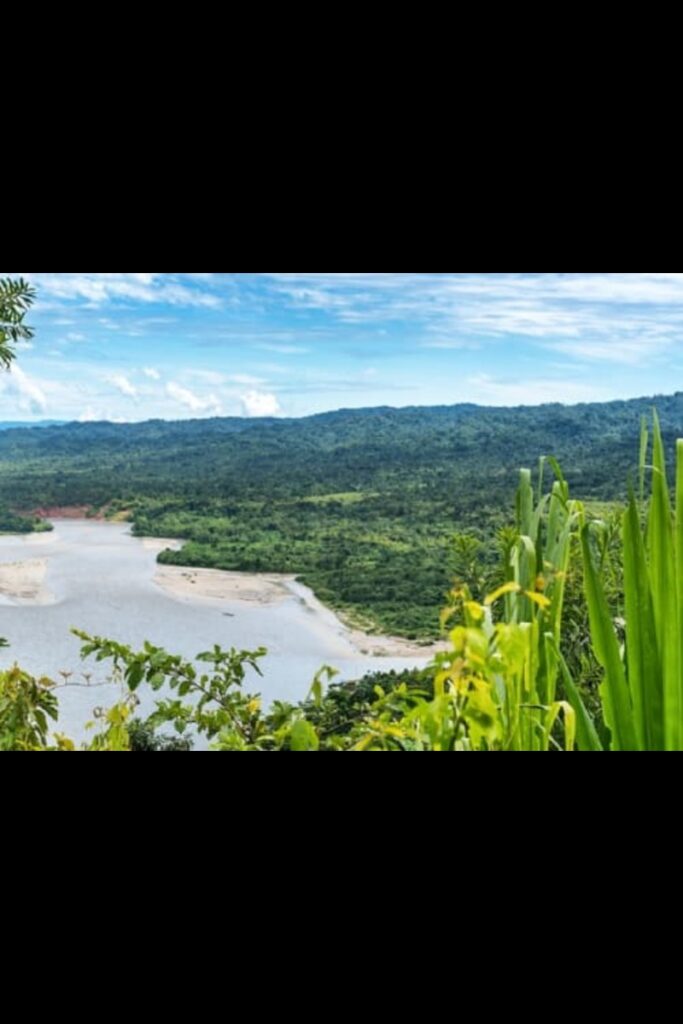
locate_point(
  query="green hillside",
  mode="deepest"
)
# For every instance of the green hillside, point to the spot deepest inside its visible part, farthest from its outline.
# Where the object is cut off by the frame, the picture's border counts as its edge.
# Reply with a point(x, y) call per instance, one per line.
point(363, 504)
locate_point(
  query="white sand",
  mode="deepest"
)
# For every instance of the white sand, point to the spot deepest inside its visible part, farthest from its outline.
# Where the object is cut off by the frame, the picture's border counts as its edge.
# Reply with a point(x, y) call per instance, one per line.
point(393, 646)
point(216, 585)
point(24, 582)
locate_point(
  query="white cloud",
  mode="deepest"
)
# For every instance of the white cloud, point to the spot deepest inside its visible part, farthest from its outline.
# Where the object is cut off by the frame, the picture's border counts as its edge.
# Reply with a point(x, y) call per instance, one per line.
point(259, 403)
point(627, 317)
point(450, 343)
point(99, 289)
point(122, 384)
point(207, 406)
point(150, 372)
point(30, 396)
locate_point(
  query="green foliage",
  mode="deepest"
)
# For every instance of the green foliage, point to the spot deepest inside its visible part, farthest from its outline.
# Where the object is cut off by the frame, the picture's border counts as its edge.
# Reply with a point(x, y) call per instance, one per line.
point(642, 688)
point(497, 686)
point(10, 522)
point(144, 740)
point(16, 298)
point(29, 711)
point(344, 705)
point(217, 707)
point(27, 705)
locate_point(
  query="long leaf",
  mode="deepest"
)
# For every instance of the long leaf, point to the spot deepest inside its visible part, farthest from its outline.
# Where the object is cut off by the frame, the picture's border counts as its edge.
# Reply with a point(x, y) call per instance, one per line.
point(665, 592)
point(587, 738)
point(644, 671)
point(642, 461)
point(614, 690)
point(679, 567)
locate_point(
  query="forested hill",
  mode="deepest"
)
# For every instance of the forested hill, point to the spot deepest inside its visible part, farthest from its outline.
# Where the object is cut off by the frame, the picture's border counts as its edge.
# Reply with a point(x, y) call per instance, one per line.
point(362, 504)
point(350, 450)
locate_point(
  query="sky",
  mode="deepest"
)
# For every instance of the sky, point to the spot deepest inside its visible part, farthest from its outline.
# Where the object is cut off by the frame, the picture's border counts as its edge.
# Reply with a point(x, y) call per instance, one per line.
point(129, 347)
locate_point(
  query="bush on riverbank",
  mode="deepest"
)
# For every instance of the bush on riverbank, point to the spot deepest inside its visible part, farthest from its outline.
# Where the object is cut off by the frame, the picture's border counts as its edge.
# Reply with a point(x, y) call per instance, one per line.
point(11, 522)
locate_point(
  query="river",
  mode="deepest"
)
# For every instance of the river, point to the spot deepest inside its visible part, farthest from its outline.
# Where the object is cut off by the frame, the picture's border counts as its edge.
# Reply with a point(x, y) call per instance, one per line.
point(101, 579)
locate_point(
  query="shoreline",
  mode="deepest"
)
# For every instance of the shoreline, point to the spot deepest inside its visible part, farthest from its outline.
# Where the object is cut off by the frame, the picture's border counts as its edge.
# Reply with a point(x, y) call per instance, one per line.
point(22, 582)
point(374, 645)
point(219, 586)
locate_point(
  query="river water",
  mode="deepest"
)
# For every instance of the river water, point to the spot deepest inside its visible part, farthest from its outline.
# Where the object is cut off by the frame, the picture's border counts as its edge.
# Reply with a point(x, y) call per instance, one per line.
point(101, 580)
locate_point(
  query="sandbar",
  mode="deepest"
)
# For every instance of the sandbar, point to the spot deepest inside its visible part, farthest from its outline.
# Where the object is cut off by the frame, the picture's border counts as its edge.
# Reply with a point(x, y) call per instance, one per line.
point(24, 582)
point(217, 585)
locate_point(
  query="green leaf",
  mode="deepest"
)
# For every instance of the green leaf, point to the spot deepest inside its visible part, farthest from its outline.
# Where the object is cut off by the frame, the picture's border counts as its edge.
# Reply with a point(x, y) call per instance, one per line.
point(303, 737)
point(661, 550)
point(134, 676)
point(614, 690)
point(644, 672)
point(587, 738)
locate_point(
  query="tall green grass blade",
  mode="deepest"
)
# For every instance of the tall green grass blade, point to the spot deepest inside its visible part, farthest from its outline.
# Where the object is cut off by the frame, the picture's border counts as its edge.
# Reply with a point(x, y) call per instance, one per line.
point(527, 571)
point(587, 738)
point(665, 592)
point(536, 533)
point(679, 566)
point(569, 717)
point(561, 524)
point(614, 690)
point(644, 671)
point(525, 503)
point(642, 462)
point(541, 474)
point(557, 470)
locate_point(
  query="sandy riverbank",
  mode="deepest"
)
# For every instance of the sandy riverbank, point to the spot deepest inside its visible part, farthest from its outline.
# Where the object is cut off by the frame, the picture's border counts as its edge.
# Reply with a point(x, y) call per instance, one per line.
point(392, 646)
point(371, 644)
point(24, 582)
point(215, 585)
point(267, 589)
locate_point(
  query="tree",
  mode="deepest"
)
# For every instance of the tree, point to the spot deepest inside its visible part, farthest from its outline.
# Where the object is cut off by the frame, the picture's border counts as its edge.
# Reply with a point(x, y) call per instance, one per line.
point(16, 298)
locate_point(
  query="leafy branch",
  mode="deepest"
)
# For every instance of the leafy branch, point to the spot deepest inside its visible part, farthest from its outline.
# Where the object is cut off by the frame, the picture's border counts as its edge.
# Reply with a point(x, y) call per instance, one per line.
point(16, 298)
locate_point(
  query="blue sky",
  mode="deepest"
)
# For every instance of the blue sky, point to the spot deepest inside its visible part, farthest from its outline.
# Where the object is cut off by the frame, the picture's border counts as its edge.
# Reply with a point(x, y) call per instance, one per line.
point(138, 346)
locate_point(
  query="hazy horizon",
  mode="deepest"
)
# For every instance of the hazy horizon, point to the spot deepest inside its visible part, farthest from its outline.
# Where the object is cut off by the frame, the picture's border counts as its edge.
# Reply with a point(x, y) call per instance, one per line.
point(328, 412)
point(137, 347)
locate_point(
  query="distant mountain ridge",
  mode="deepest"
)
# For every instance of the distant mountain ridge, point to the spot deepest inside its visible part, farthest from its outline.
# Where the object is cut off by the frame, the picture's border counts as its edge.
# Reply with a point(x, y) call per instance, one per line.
point(28, 425)
point(230, 424)
point(440, 448)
